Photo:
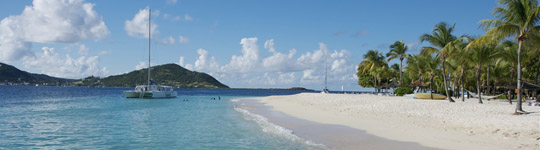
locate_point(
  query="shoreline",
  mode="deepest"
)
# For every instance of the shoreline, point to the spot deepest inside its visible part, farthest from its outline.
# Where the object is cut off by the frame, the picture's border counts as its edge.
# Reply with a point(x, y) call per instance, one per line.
point(329, 135)
point(437, 124)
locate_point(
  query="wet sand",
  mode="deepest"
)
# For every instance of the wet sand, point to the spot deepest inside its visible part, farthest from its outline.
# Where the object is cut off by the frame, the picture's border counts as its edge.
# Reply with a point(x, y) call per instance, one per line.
point(430, 123)
point(332, 136)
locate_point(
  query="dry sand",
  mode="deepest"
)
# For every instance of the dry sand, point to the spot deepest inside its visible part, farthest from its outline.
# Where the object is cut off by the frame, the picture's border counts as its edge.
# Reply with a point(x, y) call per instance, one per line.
point(432, 123)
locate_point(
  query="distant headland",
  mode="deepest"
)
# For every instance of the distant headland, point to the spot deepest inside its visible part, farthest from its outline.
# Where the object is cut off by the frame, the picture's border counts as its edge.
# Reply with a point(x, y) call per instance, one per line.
point(167, 74)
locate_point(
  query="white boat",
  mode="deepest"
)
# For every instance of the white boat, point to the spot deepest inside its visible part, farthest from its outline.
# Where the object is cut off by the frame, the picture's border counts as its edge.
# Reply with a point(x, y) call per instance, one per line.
point(152, 89)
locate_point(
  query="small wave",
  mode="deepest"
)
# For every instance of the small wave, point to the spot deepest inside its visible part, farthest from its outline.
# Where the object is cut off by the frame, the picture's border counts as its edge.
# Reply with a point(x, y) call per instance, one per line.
point(271, 128)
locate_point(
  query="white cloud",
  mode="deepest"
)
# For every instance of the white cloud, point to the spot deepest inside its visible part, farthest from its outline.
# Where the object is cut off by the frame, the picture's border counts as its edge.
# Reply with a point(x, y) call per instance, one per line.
point(167, 41)
point(181, 61)
point(187, 17)
point(12, 49)
point(249, 58)
point(205, 62)
point(49, 21)
point(138, 26)
point(183, 39)
point(269, 44)
point(318, 56)
point(171, 2)
point(83, 50)
point(278, 61)
point(141, 65)
point(51, 63)
point(278, 69)
point(286, 78)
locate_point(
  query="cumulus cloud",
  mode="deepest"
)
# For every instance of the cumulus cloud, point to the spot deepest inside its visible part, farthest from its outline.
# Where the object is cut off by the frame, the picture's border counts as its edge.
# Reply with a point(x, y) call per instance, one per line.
point(206, 62)
point(249, 58)
point(278, 69)
point(183, 39)
point(278, 61)
point(51, 63)
point(138, 26)
point(141, 65)
point(181, 61)
point(49, 21)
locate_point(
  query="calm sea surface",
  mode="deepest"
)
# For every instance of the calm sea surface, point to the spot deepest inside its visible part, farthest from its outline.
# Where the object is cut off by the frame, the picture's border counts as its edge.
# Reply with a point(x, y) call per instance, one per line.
point(101, 118)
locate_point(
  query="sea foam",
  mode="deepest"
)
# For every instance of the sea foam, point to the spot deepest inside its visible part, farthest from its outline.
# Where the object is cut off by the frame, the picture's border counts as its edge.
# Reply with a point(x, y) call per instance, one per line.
point(272, 128)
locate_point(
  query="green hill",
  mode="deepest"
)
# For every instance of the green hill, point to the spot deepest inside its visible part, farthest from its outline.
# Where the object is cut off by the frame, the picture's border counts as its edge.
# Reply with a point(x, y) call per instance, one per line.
point(168, 74)
point(10, 74)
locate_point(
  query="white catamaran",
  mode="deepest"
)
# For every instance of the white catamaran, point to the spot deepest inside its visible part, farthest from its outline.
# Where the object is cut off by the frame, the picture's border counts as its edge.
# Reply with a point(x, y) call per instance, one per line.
point(152, 89)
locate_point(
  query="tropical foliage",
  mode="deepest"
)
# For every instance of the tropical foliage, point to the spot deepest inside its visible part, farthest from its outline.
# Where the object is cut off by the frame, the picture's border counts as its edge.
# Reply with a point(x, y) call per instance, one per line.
point(495, 63)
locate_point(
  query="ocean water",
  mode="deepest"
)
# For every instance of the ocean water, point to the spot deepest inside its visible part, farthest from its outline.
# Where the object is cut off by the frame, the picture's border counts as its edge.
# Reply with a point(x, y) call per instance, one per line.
point(101, 118)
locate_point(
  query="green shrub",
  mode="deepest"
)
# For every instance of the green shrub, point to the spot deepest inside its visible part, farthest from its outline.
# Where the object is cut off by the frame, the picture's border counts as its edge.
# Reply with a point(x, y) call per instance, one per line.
point(403, 90)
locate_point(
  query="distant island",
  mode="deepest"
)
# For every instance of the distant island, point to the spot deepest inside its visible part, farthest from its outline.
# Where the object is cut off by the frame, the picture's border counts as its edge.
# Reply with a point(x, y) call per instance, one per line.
point(168, 74)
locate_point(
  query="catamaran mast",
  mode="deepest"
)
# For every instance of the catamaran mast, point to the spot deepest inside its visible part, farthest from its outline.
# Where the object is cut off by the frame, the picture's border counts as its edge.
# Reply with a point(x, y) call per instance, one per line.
point(149, 36)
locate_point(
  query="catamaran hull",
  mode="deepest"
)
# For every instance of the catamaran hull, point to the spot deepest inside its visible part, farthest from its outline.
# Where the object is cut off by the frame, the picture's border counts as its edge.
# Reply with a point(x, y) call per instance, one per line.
point(153, 94)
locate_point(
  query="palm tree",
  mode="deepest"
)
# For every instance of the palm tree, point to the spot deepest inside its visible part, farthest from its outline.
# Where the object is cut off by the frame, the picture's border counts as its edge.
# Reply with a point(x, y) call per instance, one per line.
point(398, 50)
point(441, 37)
point(518, 19)
point(416, 68)
point(534, 53)
point(462, 64)
point(372, 60)
point(482, 53)
point(431, 65)
point(507, 51)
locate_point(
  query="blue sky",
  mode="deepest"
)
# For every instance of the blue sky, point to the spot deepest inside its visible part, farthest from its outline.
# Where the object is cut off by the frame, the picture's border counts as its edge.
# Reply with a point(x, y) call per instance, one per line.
point(243, 43)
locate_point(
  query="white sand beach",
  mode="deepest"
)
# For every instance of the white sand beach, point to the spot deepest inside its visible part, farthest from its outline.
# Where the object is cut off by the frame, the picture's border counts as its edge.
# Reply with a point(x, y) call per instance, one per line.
point(431, 123)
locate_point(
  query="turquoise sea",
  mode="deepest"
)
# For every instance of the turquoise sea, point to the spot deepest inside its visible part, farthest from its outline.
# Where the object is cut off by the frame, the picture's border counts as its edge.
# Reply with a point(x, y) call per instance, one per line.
point(48, 117)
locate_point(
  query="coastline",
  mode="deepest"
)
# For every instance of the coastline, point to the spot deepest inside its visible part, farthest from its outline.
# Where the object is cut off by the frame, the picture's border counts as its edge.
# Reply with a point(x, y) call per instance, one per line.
point(437, 124)
point(325, 136)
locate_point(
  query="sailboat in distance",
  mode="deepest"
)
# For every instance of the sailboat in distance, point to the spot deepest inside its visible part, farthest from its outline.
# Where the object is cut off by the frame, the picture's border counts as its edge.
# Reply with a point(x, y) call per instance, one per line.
point(325, 90)
point(152, 89)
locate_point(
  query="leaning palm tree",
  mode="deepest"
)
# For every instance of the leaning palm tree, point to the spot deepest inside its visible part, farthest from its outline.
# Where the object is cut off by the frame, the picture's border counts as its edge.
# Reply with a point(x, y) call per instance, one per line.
point(482, 53)
point(518, 19)
point(398, 50)
point(373, 59)
point(441, 37)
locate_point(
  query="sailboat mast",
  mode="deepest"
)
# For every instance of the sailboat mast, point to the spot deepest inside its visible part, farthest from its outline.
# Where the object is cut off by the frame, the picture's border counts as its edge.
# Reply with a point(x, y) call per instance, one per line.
point(325, 73)
point(149, 36)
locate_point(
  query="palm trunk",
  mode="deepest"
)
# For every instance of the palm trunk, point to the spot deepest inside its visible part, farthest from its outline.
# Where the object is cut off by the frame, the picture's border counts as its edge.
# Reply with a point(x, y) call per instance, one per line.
point(488, 88)
point(431, 86)
point(400, 72)
point(536, 80)
point(518, 105)
point(509, 97)
point(375, 83)
point(462, 86)
point(478, 71)
point(445, 85)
